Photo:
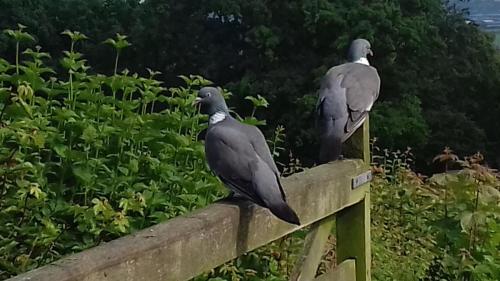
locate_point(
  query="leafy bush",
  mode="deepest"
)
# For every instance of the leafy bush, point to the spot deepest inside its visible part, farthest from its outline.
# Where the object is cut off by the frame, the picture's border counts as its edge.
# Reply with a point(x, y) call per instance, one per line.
point(401, 214)
point(442, 228)
point(86, 158)
point(439, 74)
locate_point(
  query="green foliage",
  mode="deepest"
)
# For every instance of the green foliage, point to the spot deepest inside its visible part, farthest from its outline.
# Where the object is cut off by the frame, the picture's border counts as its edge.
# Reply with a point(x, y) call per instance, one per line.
point(469, 231)
point(119, 44)
point(439, 74)
point(257, 102)
point(401, 216)
point(87, 158)
point(444, 228)
point(400, 123)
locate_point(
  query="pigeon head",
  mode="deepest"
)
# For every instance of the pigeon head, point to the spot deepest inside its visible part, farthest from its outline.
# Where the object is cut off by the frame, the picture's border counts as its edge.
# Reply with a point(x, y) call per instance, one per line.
point(211, 101)
point(359, 49)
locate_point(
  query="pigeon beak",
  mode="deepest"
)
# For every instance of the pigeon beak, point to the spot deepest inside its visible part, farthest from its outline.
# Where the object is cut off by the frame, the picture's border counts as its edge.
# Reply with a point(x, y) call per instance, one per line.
point(196, 101)
point(370, 52)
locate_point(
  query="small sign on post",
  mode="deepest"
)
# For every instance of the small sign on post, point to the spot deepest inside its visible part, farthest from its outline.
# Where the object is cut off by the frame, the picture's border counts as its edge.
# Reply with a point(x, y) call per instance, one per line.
point(361, 179)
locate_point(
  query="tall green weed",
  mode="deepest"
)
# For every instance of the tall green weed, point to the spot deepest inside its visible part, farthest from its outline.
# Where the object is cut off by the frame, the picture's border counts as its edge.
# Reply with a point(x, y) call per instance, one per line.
point(86, 158)
point(442, 228)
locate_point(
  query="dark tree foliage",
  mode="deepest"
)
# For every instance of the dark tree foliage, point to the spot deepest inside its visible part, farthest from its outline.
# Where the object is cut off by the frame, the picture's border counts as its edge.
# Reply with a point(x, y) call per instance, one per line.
point(440, 76)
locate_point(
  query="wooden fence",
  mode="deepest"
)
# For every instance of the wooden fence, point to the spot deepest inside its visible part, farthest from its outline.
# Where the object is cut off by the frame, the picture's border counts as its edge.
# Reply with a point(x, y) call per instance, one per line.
point(189, 245)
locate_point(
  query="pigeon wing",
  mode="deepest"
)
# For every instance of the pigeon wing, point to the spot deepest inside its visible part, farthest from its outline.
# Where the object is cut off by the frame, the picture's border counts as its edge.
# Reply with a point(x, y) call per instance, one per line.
point(332, 116)
point(229, 154)
point(332, 102)
point(232, 156)
point(362, 84)
point(260, 147)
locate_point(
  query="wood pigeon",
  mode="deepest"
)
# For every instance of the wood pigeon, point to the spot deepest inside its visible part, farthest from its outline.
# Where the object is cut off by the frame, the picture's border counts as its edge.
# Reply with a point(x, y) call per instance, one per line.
point(239, 155)
point(346, 96)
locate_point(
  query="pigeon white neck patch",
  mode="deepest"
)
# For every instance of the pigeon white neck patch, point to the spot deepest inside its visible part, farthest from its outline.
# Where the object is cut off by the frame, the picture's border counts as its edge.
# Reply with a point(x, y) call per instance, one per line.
point(363, 61)
point(217, 117)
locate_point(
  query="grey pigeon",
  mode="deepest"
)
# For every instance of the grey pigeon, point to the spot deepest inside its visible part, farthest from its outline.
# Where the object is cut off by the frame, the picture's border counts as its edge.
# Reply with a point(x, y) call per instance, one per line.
point(238, 154)
point(346, 96)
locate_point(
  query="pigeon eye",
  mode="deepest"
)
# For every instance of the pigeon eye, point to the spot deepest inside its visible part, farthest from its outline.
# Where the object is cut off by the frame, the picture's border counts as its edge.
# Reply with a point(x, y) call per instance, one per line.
point(208, 94)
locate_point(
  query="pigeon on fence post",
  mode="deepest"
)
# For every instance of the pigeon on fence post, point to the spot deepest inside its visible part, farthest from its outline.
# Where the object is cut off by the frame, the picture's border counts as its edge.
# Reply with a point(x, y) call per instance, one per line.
point(239, 155)
point(346, 96)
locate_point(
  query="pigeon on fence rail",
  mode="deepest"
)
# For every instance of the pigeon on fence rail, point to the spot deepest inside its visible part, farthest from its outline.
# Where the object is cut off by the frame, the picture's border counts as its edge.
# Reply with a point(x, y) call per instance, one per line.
point(238, 154)
point(346, 96)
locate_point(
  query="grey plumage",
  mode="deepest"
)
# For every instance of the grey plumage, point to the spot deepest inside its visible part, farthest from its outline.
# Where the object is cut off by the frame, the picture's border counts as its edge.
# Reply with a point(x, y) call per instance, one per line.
point(346, 96)
point(238, 154)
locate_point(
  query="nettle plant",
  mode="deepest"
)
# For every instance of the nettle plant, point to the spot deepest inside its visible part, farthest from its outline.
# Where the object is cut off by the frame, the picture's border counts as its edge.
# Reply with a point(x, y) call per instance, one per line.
point(442, 228)
point(469, 225)
point(86, 158)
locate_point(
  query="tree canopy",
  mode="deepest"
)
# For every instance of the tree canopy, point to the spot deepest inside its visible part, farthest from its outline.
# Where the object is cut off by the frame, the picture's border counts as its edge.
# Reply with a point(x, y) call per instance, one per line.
point(440, 76)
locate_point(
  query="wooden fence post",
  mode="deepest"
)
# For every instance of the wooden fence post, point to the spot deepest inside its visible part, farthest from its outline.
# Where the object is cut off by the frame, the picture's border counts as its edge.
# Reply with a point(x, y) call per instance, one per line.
point(346, 271)
point(358, 145)
point(353, 223)
point(314, 248)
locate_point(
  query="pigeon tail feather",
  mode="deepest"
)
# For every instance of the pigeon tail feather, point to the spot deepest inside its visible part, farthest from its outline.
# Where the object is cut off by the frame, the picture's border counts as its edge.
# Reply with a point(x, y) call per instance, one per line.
point(330, 147)
point(355, 126)
point(268, 189)
point(284, 212)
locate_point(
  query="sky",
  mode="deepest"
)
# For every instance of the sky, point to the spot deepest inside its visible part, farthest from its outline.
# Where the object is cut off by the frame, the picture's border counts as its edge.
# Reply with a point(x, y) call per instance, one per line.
point(485, 13)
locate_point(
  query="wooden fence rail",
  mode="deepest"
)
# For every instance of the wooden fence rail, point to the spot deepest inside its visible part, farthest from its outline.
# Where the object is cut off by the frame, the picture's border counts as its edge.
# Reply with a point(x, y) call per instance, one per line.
point(189, 245)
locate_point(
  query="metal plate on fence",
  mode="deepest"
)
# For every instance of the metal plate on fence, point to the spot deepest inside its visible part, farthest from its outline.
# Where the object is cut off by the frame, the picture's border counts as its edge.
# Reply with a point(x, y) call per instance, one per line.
point(361, 179)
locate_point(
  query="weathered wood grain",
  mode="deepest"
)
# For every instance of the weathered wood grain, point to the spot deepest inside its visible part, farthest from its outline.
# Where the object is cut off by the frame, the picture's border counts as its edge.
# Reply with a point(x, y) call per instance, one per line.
point(353, 224)
point(314, 248)
point(358, 145)
point(353, 237)
point(346, 271)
